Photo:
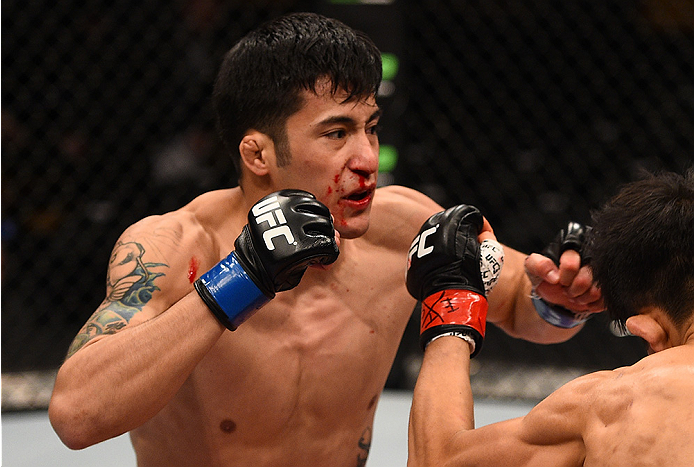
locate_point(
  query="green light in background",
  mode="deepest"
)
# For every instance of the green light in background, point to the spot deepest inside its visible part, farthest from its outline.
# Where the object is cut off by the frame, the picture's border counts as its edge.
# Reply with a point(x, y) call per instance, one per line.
point(390, 66)
point(387, 158)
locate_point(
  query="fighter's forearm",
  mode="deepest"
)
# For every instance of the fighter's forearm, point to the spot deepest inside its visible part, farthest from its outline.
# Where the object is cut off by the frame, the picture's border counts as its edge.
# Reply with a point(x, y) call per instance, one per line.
point(118, 382)
point(442, 402)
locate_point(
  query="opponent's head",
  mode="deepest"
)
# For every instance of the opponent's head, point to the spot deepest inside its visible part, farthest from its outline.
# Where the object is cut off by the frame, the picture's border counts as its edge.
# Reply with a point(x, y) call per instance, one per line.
point(642, 248)
point(262, 77)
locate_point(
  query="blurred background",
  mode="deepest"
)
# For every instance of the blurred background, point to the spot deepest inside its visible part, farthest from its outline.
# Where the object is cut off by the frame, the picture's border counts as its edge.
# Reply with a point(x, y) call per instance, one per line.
point(533, 110)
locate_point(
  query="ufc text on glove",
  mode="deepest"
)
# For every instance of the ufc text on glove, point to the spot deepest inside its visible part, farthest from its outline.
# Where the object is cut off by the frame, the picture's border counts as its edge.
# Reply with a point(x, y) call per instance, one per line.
point(287, 231)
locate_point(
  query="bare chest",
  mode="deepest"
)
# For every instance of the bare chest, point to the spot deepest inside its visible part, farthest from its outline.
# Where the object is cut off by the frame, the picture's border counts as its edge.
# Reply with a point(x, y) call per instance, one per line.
point(306, 370)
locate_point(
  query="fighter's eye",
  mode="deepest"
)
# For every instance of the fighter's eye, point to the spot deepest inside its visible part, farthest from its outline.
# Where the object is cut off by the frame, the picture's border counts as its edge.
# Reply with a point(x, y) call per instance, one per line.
point(337, 134)
point(374, 129)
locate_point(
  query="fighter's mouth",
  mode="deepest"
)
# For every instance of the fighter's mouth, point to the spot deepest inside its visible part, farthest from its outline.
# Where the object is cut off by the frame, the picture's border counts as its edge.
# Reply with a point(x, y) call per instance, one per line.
point(359, 196)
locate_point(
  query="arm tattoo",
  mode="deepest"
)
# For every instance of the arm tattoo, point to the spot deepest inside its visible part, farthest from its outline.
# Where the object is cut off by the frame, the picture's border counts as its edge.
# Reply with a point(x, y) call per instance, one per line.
point(129, 285)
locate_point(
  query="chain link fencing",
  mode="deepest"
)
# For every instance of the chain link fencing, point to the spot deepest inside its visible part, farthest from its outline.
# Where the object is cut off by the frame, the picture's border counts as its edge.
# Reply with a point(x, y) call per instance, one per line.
point(534, 111)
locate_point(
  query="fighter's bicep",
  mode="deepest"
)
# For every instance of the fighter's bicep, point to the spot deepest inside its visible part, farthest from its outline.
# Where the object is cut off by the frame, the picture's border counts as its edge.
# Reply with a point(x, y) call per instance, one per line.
point(492, 445)
point(155, 262)
point(131, 282)
point(510, 443)
point(139, 282)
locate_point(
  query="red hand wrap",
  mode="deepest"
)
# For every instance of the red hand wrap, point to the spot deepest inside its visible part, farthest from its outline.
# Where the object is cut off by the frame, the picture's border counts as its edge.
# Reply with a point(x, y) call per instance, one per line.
point(454, 307)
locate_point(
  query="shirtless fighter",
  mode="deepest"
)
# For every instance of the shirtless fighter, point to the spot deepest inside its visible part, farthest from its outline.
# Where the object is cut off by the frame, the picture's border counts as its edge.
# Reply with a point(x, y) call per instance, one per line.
point(177, 354)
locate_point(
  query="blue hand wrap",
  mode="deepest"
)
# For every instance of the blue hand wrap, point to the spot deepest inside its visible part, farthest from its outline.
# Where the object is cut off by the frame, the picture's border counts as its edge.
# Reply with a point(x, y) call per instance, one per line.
point(229, 292)
point(558, 315)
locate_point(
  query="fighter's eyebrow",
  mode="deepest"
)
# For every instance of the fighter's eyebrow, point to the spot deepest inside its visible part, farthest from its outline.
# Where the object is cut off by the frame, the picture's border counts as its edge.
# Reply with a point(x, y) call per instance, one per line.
point(345, 120)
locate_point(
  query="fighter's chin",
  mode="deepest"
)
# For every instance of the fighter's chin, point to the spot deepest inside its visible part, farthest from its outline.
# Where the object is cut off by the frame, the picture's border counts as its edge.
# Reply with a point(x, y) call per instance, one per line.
point(350, 230)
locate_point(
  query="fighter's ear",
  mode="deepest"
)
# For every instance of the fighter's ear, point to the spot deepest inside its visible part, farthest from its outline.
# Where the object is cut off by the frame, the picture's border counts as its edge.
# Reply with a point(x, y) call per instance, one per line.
point(257, 152)
point(650, 327)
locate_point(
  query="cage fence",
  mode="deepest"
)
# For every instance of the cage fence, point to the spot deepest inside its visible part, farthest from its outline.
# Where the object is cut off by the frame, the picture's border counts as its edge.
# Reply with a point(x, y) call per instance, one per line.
point(534, 111)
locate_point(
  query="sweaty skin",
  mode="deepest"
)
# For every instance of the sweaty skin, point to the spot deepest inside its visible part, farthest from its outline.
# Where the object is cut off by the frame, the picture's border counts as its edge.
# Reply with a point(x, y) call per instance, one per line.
point(298, 382)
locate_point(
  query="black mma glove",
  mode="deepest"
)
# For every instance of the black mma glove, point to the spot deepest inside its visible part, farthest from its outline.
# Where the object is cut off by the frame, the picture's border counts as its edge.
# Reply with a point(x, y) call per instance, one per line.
point(572, 238)
point(444, 274)
point(287, 231)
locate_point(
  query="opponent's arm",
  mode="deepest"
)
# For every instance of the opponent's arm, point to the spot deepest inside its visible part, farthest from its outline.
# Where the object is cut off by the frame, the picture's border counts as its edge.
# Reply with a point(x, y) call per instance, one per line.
point(139, 347)
point(443, 272)
point(445, 264)
point(442, 430)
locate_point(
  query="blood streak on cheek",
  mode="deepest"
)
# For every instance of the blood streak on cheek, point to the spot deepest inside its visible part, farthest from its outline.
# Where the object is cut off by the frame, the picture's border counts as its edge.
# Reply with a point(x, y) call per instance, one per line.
point(193, 269)
point(339, 216)
point(339, 211)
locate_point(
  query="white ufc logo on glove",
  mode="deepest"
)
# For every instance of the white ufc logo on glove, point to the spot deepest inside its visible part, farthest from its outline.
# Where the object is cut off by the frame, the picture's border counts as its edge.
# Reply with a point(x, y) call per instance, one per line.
point(491, 256)
point(418, 245)
point(270, 211)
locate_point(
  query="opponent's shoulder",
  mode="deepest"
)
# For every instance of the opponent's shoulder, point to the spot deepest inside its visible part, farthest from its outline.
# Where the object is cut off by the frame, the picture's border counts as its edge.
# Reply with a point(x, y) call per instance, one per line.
point(566, 412)
point(398, 213)
point(666, 375)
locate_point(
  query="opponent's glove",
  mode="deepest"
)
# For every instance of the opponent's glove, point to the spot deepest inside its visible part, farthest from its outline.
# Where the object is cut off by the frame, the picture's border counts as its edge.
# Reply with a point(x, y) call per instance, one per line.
point(443, 272)
point(572, 238)
point(286, 232)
